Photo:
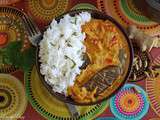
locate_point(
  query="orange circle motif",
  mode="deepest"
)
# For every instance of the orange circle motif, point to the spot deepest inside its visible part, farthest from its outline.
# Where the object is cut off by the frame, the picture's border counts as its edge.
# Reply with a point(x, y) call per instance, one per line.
point(3, 39)
point(130, 102)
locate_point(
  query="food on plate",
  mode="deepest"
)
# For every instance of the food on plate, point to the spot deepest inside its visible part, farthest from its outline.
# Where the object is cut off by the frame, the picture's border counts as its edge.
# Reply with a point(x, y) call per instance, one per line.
point(103, 45)
point(62, 51)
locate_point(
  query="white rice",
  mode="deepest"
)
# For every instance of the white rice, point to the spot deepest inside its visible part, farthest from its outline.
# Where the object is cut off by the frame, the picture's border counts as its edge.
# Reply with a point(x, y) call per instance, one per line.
point(61, 51)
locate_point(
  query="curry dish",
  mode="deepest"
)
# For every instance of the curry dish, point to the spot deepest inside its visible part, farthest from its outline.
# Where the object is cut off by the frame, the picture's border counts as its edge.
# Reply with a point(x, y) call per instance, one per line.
point(103, 42)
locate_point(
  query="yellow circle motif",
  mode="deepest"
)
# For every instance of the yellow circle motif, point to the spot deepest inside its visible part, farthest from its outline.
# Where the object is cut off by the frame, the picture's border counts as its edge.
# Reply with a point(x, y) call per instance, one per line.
point(12, 97)
point(47, 9)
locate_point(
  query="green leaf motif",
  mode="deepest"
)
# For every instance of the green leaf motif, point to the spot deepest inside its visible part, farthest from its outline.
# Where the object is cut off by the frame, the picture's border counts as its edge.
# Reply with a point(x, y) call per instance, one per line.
point(13, 55)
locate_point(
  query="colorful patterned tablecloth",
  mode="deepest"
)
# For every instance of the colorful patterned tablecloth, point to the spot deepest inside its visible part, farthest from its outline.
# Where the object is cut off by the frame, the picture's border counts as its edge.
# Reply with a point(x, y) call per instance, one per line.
point(22, 95)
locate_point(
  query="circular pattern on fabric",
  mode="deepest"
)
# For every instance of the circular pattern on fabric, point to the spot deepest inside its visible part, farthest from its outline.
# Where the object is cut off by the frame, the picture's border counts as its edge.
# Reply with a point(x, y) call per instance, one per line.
point(51, 108)
point(153, 90)
point(129, 9)
point(11, 29)
point(141, 65)
point(130, 103)
point(8, 2)
point(5, 98)
point(12, 97)
point(46, 10)
point(84, 6)
point(127, 12)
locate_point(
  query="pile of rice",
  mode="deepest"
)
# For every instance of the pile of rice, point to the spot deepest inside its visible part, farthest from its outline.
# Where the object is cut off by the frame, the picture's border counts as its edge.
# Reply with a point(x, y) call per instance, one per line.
point(61, 51)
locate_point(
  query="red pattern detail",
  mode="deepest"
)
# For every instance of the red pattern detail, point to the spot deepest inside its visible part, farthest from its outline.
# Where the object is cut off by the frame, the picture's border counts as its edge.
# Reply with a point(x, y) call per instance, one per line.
point(3, 39)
